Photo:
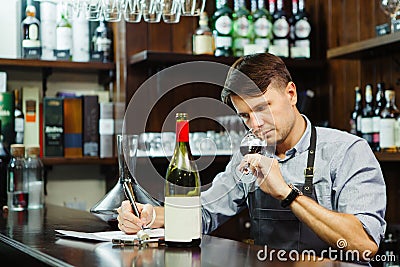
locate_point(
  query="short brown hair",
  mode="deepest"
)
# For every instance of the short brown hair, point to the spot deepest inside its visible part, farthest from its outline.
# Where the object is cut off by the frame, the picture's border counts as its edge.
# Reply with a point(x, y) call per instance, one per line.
point(251, 75)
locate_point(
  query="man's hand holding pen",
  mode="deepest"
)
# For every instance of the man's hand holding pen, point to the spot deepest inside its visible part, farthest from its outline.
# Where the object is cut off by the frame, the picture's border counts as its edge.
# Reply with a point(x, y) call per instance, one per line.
point(131, 224)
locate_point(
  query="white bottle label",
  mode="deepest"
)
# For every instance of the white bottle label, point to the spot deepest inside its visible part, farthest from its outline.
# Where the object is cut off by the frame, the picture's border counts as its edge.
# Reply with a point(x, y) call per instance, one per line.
point(182, 218)
point(242, 26)
point(262, 27)
point(366, 125)
point(376, 121)
point(387, 133)
point(33, 32)
point(302, 28)
point(281, 27)
point(19, 125)
point(64, 38)
point(223, 41)
point(223, 25)
point(203, 44)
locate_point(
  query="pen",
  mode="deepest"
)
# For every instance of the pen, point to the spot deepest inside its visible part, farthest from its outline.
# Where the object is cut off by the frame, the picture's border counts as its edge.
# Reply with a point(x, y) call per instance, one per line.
point(129, 194)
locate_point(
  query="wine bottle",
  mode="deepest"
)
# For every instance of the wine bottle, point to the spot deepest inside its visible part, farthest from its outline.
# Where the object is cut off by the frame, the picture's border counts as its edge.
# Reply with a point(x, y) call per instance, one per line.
point(18, 118)
point(281, 31)
point(222, 29)
point(242, 27)
point(388, 124)
point(31, 47)
point(355, 119)
point(367, 114)
point(376, 119)
point(262, 21)
point(182, 192)
point(102, 42)
point(63, 35)
point(301, 33)
point(203, 41)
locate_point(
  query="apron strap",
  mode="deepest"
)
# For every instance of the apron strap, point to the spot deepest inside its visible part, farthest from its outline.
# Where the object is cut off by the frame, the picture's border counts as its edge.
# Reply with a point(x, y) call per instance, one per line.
point(309, 171)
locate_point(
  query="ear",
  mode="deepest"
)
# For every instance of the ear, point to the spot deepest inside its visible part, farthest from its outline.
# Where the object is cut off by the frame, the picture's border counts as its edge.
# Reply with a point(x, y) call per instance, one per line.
point(291, 92)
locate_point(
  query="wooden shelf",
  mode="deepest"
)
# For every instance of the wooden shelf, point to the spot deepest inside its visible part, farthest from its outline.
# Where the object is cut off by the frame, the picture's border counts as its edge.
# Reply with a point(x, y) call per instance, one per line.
point(387, 156)
point(381, 45)
point(169, 58)
point(79, 161)
point(61, 65)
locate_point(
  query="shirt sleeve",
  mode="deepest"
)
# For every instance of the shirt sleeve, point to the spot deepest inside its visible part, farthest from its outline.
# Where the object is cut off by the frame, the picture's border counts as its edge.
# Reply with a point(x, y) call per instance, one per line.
point(360, 188)
point(224, 199)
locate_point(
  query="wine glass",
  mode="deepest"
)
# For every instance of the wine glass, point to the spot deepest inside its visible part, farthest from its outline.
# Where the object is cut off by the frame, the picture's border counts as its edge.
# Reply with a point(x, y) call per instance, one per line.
point(390, 7)
point(251, 144)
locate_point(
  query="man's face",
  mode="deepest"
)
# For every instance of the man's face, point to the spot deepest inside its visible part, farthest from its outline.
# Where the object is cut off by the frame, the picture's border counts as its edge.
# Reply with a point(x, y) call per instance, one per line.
point(271, 115)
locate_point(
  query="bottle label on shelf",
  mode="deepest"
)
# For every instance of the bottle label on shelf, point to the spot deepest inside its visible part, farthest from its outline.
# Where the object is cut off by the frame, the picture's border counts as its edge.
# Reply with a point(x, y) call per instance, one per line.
point(33, 32)
point(242, 26)
point(223, 41)
point(366, 125)
point(262, 27)
point(223, 25)
point(182, 218)
point(264, 42)
point(302, 28)
point(281, 28)
point(387, 133)
point(203, 44)
point(64, 38)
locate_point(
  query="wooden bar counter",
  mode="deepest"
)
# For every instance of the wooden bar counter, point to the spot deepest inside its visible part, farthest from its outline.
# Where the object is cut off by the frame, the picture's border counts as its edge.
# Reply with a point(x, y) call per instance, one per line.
point(28, 239)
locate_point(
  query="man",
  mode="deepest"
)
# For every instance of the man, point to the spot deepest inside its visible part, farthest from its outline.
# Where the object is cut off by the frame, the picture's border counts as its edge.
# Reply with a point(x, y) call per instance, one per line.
point(320, 187)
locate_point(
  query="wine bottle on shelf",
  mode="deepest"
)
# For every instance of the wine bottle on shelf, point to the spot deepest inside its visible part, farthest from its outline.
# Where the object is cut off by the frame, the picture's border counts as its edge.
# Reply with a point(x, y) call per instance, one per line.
point(376, 120)
point(102, 43)
point(389, 129)
point(262, 26)
point(222, 29)
point(242, 27)
point(367, 115)
point(203, 40)
point(4, 161)
point(63, 35)
point(292, 24)
point(31, 47)
point(301, 32)
point(182, 192)
point(356, 114)
point(281, 31)
point(18, 118)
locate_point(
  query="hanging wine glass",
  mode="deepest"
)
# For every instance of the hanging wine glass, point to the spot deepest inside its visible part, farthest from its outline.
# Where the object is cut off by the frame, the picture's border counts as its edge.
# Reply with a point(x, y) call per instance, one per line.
point(390, 7)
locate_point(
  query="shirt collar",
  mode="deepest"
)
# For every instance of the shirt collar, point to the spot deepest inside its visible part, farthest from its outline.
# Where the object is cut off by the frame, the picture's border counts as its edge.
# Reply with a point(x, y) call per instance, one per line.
point(302, 145)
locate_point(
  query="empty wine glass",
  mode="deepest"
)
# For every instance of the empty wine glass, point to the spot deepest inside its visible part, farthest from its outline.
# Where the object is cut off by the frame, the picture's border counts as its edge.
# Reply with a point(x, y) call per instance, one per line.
point(251, 144)
point(390, 7)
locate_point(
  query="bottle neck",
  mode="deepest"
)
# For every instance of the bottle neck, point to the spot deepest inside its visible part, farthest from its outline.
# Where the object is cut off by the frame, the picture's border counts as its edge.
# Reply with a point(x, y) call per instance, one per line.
point(261, 4)
point(301, 5)
point(279, 5)
point(294, 7)
point(182, 131)
point(220, 3)
point(271, 6)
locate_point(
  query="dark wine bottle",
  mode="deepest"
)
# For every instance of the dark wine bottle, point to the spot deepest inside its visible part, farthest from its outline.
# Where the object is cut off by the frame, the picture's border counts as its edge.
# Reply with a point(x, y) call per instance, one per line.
point(182, 192)
point(376, 120)
point(355, 118)
point(367, 115)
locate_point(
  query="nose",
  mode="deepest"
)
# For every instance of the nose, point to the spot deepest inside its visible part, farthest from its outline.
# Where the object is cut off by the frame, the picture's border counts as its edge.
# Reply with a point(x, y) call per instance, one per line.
point(255, 122)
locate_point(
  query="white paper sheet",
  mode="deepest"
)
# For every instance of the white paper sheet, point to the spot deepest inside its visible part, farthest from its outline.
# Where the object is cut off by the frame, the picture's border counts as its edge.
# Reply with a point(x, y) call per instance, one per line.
point(109, 235)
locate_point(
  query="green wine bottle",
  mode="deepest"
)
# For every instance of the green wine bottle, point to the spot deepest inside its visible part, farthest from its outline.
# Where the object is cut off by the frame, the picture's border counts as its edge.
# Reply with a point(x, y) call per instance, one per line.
point(182, 192)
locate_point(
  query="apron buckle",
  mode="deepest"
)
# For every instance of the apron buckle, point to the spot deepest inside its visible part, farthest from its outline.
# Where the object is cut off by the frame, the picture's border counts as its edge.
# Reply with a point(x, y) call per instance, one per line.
point(309, 172)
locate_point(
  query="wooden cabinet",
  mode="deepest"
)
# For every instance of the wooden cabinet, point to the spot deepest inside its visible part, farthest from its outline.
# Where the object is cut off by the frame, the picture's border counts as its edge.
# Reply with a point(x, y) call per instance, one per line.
point(103, 71)
point(357, 57)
